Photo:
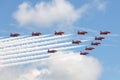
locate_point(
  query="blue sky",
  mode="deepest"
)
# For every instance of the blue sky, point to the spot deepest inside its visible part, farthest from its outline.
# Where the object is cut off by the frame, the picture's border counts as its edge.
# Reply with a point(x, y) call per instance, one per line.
point(105, 19)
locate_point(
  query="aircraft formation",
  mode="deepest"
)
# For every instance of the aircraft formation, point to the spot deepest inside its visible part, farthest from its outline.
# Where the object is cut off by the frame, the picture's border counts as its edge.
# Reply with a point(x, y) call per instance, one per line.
point(17, 48)
point(73, 41)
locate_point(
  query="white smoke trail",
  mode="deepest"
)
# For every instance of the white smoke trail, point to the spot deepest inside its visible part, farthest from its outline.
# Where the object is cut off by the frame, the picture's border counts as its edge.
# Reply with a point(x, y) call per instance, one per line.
point(32, 44)
point(32, 61)
point(40, 47)
point(30, 38)
point(37, 56)
point(25, 62)
point(53, 37)
point(35, 48)
point(37, 52)
point(33, 40)
point(21, 41)
point(22, 54)
point(30, 48)
point(70, 47)
point(11, 38)
point(34, 56)
point(25, 58)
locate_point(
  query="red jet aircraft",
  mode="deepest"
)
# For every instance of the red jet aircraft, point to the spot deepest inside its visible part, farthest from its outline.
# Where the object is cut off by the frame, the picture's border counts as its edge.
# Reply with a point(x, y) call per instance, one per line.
point(52, 51)
point(104, 32)
point(89, 48)
point(95, 43)
point(59, 33)
point(82, 32)
point(76, 42)
point(99, 38)
point(36, 33)
point(84, 53)
point(14, 34)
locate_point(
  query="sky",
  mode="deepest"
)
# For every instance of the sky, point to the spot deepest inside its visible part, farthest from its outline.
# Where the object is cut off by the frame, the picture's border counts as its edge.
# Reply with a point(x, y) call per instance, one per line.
point(47, 16)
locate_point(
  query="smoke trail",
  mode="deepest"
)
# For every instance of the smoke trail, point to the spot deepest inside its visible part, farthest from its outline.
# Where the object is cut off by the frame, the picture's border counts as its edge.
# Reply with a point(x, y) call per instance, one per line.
point(31, 61)
point(53, 37)
point(35, 56)
point(38, 52)
point(20, 41)
point(11, 38)
point(33, 44)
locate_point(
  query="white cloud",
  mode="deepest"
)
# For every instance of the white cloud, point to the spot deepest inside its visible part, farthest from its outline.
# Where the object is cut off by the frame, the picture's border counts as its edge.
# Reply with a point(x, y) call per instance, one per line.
point(46, 14)
point(30, 75)
point(65, 67)
point(101, 5)
point(10, 73)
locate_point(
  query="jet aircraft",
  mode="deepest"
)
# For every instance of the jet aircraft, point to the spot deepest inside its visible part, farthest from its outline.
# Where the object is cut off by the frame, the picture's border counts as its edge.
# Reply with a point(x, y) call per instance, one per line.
point(99, 38)
point(82, 32)
point(76, 42)
point(14, 34)
point(104, 32)
point(36, 33)
point(84, 53)
point(52, 51)
point(95, 43)
point(59, 33)
point(89, 48)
